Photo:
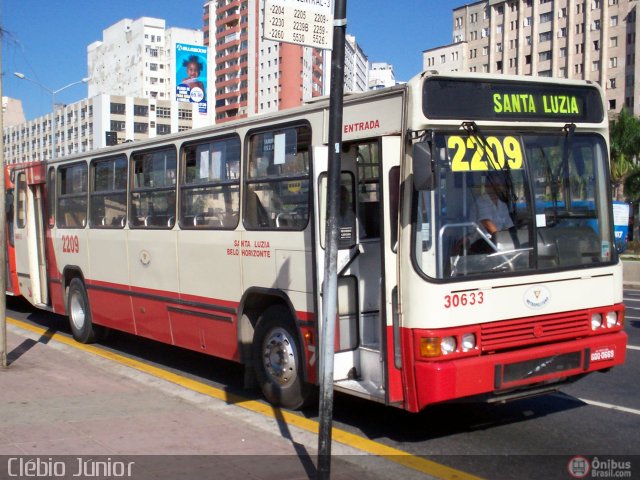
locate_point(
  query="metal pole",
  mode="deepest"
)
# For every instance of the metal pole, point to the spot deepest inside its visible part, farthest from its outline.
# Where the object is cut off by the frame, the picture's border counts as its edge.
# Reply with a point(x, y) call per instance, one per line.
point(330, 287)
point(3, 234)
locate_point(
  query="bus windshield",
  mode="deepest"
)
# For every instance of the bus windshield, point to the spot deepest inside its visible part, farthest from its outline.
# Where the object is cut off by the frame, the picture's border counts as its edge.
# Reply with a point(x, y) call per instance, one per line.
point(513, 203)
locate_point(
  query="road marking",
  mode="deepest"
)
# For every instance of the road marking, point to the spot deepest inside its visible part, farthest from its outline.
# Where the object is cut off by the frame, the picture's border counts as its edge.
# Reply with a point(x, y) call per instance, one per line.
point(395, 455)
point(610, 406)
point(633, 347)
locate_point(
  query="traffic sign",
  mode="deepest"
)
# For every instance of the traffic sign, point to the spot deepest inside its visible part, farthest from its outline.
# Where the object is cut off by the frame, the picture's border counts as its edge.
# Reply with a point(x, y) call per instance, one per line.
point(303, 22)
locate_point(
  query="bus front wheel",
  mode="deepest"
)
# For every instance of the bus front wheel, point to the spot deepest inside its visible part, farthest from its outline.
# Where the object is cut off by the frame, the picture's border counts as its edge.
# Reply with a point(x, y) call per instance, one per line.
point(277, 359)
point(79, 313)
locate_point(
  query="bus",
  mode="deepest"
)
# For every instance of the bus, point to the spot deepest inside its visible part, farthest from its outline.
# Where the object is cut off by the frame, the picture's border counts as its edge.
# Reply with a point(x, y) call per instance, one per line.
point(213, 240)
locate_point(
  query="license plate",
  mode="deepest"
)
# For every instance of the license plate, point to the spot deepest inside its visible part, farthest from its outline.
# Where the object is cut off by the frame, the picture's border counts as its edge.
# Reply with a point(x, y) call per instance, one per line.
point(603, 354)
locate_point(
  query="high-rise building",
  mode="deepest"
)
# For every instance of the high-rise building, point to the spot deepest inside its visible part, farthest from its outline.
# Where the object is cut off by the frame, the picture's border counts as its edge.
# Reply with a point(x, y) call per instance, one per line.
point(381, 75)
point(144, 59)
point(579, 39)
point(134, 74)
point(356, 66)
point(137, 58)
point(12, 113)
point(253, 75)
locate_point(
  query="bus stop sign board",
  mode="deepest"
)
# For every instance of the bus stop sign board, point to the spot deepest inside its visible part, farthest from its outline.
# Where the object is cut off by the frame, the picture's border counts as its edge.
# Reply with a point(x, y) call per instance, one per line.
point(303, 22)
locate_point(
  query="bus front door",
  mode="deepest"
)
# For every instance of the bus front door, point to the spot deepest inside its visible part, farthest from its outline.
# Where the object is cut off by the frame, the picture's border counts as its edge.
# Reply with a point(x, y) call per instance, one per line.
point(360, 359)
point(29, 230)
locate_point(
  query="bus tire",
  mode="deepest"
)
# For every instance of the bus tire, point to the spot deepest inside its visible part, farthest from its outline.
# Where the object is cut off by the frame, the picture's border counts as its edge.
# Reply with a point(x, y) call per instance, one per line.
point(277, 359)
point(79, 313)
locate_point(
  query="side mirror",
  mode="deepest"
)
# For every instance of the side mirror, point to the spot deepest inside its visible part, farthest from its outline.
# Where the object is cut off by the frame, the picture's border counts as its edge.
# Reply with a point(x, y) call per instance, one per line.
point(423, 176)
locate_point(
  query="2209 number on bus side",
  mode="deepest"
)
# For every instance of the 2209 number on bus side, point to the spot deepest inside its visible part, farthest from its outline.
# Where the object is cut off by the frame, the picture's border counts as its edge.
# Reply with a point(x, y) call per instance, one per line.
point(463, 299)
point(70, 244)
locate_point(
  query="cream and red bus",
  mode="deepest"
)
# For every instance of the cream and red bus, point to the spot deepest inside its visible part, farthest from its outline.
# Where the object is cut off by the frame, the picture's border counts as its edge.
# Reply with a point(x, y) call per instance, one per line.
point(213, 240)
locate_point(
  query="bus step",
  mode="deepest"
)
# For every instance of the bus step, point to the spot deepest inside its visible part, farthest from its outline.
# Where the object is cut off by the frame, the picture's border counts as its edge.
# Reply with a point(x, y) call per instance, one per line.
point(361, 388)
point(44, 306)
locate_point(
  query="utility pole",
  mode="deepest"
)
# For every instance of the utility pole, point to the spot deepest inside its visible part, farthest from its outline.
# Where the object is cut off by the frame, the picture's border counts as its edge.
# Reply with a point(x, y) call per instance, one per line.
point(330, 287)
point(3, 234)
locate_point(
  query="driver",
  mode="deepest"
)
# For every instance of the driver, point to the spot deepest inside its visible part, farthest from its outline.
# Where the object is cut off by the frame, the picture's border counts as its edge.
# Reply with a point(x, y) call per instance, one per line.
point(491, 212)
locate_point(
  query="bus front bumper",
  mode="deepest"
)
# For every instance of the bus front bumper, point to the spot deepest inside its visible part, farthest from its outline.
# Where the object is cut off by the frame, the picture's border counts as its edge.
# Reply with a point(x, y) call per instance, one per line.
point(440, 381)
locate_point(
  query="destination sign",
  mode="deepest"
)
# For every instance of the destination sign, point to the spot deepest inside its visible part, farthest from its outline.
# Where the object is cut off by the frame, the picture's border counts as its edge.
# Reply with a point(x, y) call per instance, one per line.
point(466, 99)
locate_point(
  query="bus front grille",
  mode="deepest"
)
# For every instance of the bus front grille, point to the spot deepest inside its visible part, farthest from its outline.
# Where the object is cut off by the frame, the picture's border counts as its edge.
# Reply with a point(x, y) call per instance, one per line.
point(509, 334)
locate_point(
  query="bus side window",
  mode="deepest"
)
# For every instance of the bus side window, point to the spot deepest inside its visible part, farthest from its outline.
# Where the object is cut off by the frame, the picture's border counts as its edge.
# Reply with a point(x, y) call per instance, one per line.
point(152, 201)
point(21, 209)
point(277, 186)
point(210, 184)
point(51, 197)
point(108, 199)
point(72, 196)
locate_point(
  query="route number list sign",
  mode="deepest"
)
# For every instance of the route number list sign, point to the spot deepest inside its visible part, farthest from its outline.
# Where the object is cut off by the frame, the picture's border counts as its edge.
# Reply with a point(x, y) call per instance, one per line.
point(303, 22)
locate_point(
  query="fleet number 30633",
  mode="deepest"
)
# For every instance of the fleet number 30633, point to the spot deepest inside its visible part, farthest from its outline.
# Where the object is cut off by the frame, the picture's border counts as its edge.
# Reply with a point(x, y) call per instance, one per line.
point(463, 299)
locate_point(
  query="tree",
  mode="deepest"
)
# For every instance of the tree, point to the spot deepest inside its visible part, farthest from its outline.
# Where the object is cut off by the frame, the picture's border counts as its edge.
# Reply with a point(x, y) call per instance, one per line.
point(624, 138)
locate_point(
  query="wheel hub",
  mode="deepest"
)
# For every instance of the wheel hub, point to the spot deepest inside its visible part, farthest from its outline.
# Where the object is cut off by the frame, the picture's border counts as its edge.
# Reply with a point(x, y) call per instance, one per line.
point(279, 357)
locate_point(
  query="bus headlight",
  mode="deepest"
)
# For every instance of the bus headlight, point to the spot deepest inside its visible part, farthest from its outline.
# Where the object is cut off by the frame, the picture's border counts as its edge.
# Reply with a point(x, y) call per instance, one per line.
point(612, 319)
point(468, 342)
point(596, 321)
point(448, 345)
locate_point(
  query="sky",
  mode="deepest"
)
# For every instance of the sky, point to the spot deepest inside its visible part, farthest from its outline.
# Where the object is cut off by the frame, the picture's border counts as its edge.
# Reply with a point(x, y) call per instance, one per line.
point(47, 40)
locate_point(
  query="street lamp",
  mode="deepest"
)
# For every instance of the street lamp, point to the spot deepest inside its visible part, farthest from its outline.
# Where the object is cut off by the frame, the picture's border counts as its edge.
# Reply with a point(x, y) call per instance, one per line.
point(53, 93)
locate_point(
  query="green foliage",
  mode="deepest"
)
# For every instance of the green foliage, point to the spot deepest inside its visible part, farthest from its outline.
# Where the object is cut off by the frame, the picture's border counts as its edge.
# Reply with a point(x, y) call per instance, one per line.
point(632, 185)
point(624, 138)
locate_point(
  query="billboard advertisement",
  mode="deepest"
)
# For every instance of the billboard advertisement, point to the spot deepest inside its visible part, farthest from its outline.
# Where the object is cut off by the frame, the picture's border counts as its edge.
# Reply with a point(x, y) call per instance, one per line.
point(191, 75)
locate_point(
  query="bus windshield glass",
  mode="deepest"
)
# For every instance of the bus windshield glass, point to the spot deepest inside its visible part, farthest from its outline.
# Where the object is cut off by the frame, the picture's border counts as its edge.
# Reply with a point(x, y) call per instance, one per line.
point(514, 203)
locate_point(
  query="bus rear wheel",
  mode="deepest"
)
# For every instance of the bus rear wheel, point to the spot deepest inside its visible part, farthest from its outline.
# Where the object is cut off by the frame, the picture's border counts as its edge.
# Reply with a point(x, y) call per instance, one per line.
point(277, 359)
point(79, 313)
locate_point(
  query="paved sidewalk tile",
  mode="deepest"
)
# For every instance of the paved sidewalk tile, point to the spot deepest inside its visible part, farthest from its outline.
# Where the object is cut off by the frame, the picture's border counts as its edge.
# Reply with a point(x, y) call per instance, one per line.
point(57, 401)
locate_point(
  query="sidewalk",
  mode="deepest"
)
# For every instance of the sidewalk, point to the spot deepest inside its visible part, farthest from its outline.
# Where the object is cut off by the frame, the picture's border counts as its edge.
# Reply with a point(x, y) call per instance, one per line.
point(56, 400)
point(631, 272)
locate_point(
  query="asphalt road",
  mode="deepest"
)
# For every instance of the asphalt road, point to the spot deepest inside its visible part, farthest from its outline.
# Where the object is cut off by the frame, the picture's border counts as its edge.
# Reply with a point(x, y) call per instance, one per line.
point(598, 416)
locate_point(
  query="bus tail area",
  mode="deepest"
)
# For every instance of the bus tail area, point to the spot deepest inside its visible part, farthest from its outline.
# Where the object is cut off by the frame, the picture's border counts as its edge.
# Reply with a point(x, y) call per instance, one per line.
point(26, 257)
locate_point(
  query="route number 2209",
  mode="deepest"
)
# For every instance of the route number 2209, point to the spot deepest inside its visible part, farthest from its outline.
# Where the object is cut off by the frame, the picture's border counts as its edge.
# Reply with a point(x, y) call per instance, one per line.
point(70, 244)
point(463, 299)
point(470, 154)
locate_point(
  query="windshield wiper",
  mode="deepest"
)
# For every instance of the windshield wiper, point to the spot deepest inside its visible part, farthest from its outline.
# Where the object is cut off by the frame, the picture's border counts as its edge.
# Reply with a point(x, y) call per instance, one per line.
point(472, 129)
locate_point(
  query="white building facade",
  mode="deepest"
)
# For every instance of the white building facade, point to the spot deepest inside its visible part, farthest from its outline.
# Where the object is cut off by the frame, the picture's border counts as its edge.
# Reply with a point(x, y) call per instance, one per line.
point(88, 124)
point(356, 66)
point(131, 96)
point(579, 39)
point(381, 75)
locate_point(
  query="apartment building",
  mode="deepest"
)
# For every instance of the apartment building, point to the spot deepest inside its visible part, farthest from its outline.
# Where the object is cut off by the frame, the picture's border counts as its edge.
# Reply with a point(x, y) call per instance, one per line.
point(356, 66)
point(134, 74)
point(579, 39)
point(381, 75)
point(137, 58)
point(12, 113)
point(133, 78)
point(253, 75)
point(93, 123)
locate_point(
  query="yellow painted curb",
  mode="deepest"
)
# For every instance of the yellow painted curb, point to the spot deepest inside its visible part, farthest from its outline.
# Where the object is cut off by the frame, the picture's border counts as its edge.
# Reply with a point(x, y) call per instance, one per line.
point(369, 446)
